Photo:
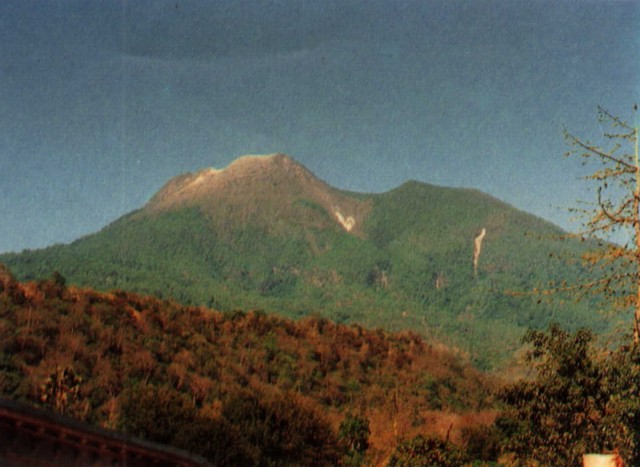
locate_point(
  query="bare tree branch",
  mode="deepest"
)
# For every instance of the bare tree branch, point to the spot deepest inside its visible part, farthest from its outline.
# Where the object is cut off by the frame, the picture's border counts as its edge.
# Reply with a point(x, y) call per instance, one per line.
point(616, 268)
point(596, 151)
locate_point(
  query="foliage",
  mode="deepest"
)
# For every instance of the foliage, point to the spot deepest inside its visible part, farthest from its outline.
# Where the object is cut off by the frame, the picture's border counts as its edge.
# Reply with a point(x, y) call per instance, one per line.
point(155, 413)
point(354, 432)
point(269, 388)
point(423, 451)
point(354, 429)
point(482, 443)
point(577, 403)
point(165, 416)
point(613, 217)
point(281, 430)
point(60, 391)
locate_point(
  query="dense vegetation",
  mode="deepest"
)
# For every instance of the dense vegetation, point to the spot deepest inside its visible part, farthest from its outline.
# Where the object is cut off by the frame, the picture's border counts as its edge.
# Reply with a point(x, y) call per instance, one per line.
point(273, 391)
point(269, 390)
point(409, 266)
point(581, 399)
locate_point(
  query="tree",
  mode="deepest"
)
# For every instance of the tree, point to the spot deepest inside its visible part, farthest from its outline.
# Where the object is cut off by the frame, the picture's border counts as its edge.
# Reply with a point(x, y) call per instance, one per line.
point(423, 451)
point(155, 413)
point(163, 415)
point(614, 215)
point(354, 432)
point(578, 402)
point(6, 278)
point(553, 419)
point(281, 429)
point(61, 392)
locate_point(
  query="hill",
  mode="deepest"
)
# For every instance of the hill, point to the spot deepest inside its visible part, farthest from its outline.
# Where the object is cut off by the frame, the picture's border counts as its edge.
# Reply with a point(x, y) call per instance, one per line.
point(265, 233)
point(238, 388)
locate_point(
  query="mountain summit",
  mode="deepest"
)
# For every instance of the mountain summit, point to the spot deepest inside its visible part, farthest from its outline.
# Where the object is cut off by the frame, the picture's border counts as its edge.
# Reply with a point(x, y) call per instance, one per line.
point(245, 174)
point(262, 190)
point(266, 233)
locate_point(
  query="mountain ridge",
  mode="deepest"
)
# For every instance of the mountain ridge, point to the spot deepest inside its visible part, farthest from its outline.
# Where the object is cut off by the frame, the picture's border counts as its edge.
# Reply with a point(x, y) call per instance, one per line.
point(265, 233)
point(256, 183)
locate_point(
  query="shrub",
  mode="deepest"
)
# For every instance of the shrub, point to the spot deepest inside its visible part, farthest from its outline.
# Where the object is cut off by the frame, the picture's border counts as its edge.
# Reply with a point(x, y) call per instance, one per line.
point(423, 451)
point(282, 429)
point(354, 433)
point(577, 403)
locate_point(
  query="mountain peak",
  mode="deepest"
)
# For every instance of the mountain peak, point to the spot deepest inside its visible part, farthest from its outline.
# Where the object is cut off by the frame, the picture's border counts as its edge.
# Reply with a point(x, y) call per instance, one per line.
point(268, 187)
point(190, 187)
point(262, 160)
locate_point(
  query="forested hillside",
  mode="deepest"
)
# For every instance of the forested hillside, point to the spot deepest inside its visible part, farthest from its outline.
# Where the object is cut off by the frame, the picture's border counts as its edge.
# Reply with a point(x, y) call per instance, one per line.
point(264, 233)
point(271, 390)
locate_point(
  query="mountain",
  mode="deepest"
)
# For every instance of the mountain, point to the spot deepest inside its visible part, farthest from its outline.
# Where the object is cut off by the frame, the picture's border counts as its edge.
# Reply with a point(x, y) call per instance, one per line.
point(266, 192)
point(265, 233)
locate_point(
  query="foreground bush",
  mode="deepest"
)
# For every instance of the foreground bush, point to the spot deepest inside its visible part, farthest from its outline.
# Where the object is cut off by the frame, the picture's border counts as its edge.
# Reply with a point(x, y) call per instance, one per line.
point(424, 451)
point(579, 401)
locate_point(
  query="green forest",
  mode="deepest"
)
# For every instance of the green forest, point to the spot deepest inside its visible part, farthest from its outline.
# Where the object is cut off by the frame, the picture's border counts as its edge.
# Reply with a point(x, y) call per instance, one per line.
point(410, 268)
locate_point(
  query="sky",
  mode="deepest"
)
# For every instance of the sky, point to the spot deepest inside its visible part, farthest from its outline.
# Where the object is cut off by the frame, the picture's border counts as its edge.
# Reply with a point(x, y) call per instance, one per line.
point(101, 102)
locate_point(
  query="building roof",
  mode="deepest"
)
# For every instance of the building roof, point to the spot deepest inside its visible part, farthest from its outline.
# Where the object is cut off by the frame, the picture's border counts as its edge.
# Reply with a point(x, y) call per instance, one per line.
point(35, 437)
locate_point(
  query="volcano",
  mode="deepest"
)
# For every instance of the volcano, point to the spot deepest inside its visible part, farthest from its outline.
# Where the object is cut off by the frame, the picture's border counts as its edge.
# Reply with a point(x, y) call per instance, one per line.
point(266, 233)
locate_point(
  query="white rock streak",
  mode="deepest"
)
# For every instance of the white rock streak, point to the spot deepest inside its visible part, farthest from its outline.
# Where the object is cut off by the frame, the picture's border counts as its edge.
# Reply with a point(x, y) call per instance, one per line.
point(347, 223)
point(477, 248)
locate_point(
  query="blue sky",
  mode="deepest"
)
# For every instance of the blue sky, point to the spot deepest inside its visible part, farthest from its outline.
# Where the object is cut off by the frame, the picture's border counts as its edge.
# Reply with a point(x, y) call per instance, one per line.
point(103, 101)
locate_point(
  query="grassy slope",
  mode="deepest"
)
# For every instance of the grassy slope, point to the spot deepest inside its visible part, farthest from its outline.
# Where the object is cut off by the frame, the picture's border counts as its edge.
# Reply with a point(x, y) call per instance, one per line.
point(411, 269)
